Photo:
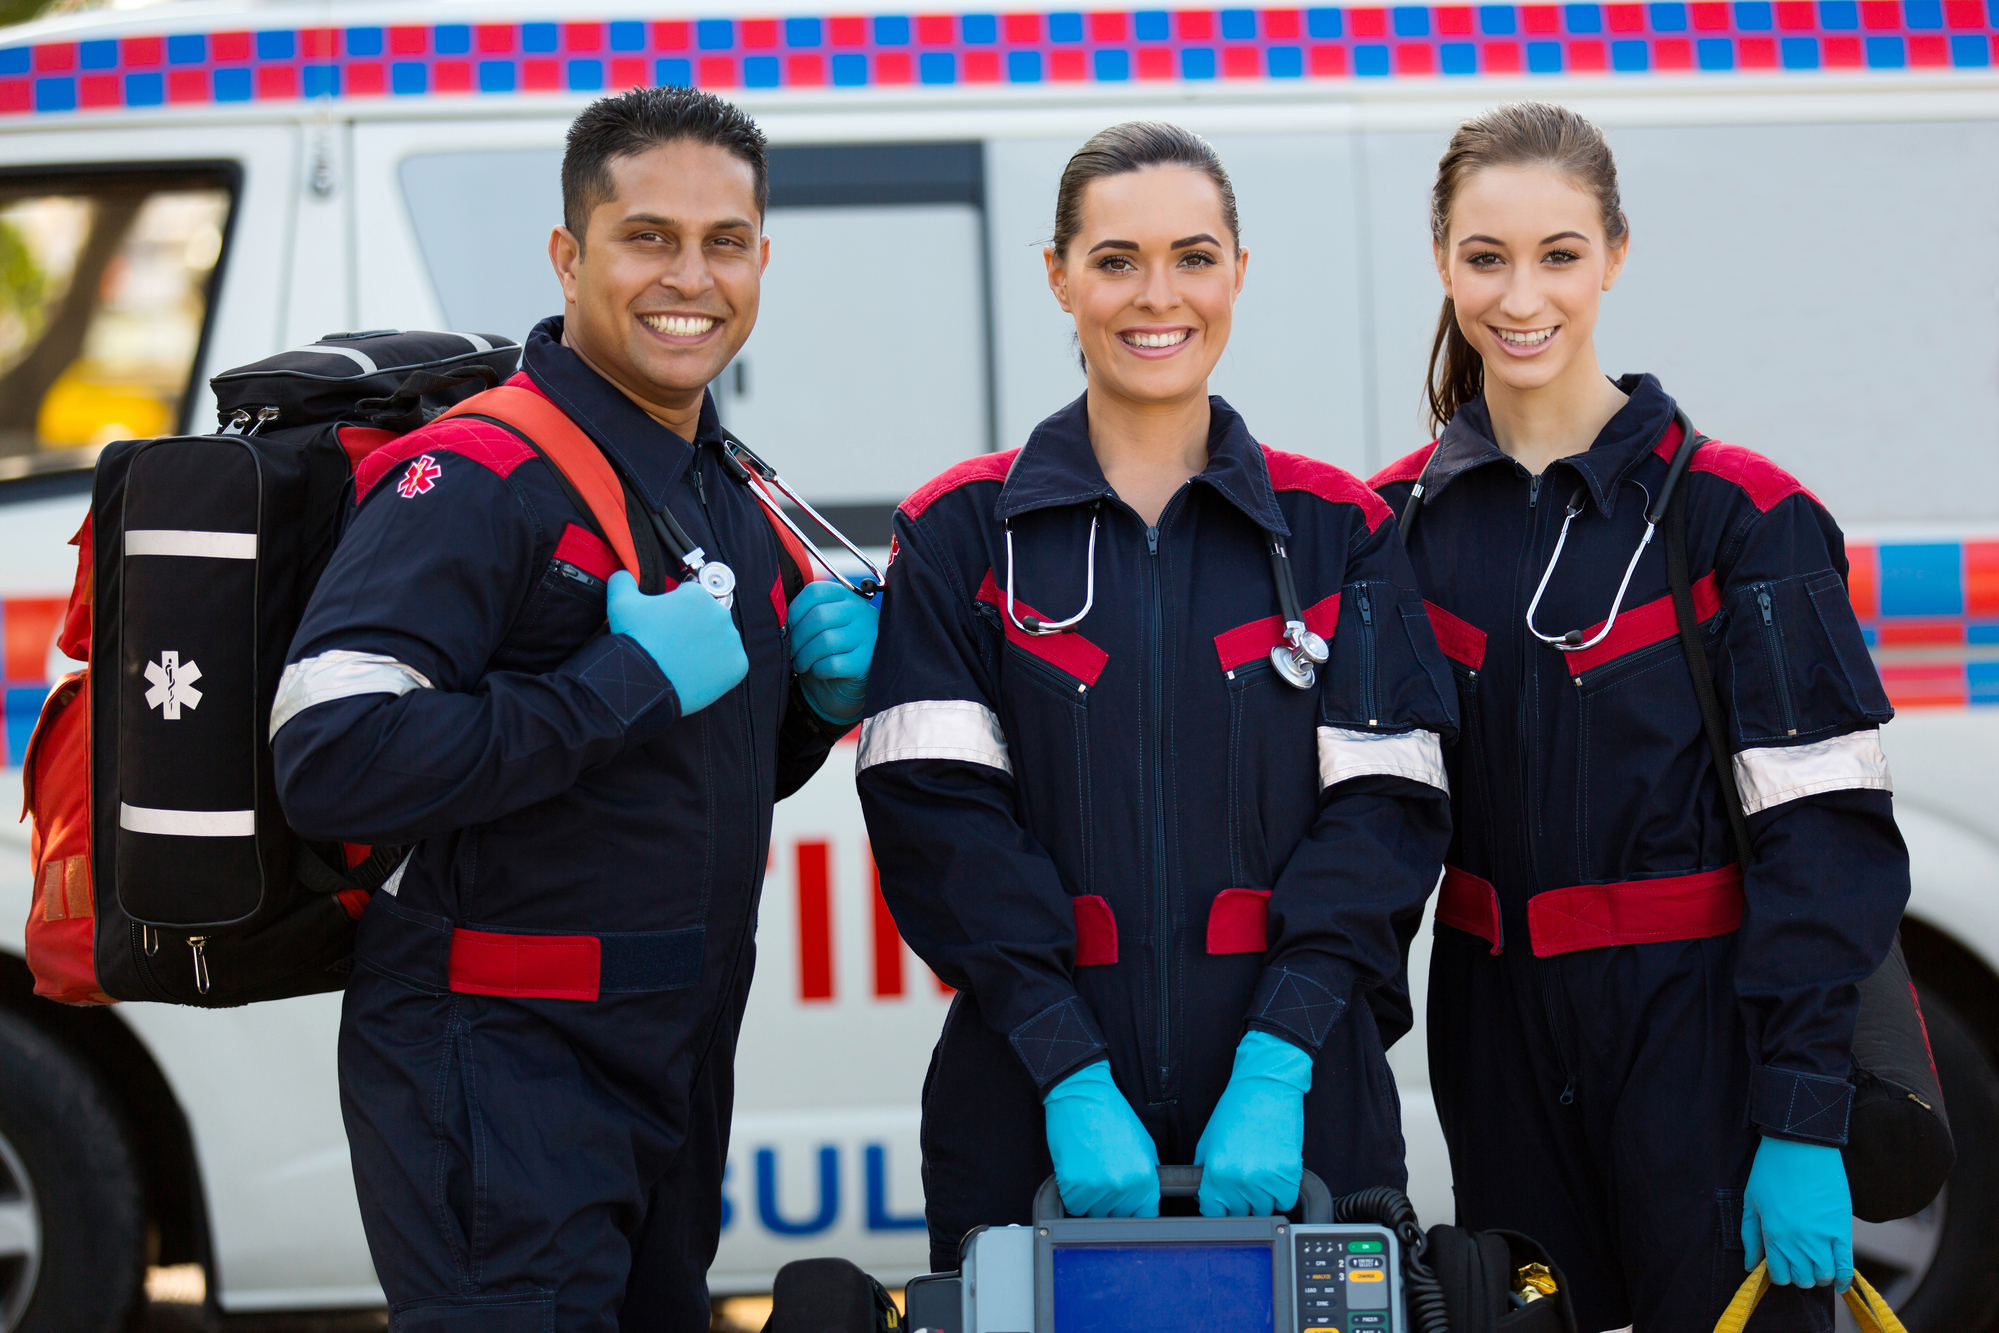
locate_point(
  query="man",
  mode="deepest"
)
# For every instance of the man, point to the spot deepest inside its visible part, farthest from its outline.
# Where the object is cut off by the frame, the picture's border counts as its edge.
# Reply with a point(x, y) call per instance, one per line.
point(537, 1044)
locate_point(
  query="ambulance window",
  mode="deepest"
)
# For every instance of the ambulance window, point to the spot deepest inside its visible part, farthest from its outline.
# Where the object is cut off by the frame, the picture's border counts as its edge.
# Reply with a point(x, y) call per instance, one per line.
point(105, 282)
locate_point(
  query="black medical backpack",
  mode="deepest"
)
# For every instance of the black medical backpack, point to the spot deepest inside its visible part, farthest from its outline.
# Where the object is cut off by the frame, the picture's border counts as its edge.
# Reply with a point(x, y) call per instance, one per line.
point(206, 549)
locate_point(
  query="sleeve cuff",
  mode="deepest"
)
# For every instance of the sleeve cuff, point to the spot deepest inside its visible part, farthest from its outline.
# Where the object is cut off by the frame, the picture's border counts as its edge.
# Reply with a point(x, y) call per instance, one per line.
point(1058, 1041)
point(1810, 1108)
point(615, 669)
point(1293, 1006)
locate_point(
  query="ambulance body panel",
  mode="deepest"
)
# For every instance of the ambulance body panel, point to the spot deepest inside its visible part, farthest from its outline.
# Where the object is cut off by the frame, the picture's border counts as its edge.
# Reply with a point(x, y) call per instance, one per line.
point(1788, 283)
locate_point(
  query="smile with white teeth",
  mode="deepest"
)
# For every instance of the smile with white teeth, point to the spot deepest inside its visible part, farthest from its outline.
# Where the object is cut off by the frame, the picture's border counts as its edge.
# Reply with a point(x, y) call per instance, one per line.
point(1173, 339)
point(1533, 338)
point(679, 326)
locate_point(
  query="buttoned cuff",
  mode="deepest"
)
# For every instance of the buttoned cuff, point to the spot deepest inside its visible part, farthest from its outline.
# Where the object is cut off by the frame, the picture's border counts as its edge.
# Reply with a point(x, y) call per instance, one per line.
point(1293, 1006)
point(1810, 1108)
point(1058, 1041)
point(622, 674)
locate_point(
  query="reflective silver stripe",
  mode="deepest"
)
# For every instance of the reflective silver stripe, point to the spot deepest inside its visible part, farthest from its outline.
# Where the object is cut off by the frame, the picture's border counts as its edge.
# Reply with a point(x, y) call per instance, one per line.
point(934, 729)
point(1416, 755)
point(339, 674)
point(188, 823)
point(360, 359)
point(185, 541)
point(1771, 775)
point(477, 342)
point(395, 880)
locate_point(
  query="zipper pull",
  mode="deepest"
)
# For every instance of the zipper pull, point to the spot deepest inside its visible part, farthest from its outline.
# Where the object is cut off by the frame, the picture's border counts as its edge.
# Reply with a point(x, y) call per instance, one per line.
point(197, 943)
point(1569, 1093)
point(1533, 490)
point(1763, 600)
point(150, 939)
point(1366, 609)
point(1152, 541)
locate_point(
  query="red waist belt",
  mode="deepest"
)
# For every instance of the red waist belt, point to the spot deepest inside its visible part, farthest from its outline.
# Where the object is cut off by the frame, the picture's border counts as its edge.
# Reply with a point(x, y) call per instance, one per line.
point(574, 967)
point(1596, 916)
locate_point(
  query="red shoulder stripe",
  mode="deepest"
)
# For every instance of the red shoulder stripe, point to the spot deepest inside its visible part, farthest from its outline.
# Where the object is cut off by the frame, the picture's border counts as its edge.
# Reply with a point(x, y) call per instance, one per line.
point(1406, 468)
point(1761, 480)
point(1462, 641)
point(1642, 626)
point(1067, 651)
point(985, 467)
point(587, 551)
point(1335, 485)
point(1251, 642)
point(492, 447)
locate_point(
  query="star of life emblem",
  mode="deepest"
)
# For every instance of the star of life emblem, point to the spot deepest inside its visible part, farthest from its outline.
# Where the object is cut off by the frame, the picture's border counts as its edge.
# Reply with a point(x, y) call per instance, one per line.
point(422, 475)
point(173, 685)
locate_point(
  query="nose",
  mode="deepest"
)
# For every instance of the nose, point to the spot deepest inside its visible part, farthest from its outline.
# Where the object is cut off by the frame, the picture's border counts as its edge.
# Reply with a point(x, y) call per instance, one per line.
point(687, 273)
point(1522, 299)
point(1158, 293)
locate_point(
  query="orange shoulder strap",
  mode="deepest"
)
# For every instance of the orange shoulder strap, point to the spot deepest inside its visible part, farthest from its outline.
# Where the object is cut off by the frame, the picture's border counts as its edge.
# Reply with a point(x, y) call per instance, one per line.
point(572, 452)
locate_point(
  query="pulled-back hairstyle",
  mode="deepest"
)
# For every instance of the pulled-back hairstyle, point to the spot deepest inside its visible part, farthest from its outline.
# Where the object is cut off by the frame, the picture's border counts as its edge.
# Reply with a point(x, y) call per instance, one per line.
point(1134, 146)
point(1521, 134)
point(643, 119)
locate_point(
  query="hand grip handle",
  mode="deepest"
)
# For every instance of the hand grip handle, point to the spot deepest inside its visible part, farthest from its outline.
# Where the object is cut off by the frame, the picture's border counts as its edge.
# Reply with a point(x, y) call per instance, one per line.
point(1184, 1182)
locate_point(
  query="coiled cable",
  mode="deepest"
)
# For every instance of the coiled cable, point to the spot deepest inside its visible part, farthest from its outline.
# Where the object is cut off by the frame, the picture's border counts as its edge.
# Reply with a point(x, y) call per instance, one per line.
point(1391, 1208)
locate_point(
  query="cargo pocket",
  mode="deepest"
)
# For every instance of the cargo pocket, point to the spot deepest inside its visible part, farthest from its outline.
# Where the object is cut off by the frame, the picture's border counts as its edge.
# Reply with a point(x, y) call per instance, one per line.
point(1273, 775)
point(1796, 667)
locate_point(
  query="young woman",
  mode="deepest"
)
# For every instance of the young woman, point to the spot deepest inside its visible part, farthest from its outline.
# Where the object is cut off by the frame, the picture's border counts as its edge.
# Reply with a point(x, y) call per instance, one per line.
point(1151, 761)
point(1639, 1053)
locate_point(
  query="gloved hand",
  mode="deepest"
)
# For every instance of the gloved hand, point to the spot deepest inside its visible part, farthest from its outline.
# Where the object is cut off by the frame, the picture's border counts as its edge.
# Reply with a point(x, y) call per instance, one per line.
point(1106, 1165)
point(687, 632)
point(1252, 1154)
point(1798, 1209)
point(832, 644)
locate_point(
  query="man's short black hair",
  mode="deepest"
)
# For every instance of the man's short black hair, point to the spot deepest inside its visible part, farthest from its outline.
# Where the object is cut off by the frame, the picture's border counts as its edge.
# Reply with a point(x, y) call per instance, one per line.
point(643, 119)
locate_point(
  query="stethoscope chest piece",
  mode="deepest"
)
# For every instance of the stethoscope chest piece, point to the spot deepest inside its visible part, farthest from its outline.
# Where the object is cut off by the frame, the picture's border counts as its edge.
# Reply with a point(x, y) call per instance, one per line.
point(1298, 661)
point(719, 580)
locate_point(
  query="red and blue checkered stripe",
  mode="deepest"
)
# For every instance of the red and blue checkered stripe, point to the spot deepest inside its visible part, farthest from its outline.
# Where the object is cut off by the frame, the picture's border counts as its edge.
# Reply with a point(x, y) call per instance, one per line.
point(1105, 46)
point(28, 627)
point(1931, 610)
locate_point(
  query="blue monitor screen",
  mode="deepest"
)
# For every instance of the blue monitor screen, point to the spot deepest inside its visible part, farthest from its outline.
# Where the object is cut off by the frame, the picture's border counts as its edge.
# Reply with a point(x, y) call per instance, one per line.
point(1208, 1288)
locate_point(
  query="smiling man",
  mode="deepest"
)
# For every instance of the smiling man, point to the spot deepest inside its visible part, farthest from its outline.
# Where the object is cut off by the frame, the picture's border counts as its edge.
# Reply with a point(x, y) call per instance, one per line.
point(537, 1045)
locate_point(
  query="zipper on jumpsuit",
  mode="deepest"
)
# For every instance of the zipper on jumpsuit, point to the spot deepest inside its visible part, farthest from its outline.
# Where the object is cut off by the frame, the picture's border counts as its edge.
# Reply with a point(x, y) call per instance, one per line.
point(1779, 669)
point(1530, 676)
point(1162, 909)
point(1367, 657)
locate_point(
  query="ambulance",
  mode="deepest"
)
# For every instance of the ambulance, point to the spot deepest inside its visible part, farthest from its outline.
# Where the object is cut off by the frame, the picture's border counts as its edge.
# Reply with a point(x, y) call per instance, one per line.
point(191, 185)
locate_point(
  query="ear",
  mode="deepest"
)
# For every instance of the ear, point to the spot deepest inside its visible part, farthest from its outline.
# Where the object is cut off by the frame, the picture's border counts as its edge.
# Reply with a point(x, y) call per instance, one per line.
point(1058, 277)
point(763, 253)
point(1241, 270)
point(564, 253)
point(1443, 267)
point(1614, 264)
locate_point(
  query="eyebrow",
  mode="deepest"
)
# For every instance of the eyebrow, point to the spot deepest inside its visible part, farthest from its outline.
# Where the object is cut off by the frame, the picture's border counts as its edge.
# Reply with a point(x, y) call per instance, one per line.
point(1201, 238)
point(655, 220)
point(1545, 240)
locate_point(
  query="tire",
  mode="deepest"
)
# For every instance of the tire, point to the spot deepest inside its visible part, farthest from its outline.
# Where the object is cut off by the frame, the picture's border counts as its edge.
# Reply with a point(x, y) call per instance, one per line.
point(1940, 1269)
point(70, 1208)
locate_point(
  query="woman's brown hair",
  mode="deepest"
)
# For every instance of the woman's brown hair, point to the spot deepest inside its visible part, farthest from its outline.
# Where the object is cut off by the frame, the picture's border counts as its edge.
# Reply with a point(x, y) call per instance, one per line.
point(1134, 146)
point(1517, 135)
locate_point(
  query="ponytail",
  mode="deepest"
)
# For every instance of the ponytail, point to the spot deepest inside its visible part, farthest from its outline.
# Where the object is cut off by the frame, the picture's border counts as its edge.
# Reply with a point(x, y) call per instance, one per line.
point(1460, 378)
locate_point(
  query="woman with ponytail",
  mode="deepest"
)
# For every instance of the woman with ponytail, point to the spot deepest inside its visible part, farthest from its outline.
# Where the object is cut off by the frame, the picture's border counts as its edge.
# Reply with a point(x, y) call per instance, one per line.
point(1640, 1017)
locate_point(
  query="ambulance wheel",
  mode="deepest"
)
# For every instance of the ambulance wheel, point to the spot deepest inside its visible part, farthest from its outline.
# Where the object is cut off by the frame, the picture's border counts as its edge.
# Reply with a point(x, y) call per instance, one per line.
point(1940, 1268)
point(72, 1256)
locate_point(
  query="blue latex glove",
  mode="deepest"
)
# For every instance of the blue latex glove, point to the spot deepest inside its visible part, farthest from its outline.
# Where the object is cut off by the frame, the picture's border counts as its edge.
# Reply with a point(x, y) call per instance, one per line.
point(1106, 1165)
point(687, 632)
point(1252, 1154)
point(1798, 1214)
point(832, 644)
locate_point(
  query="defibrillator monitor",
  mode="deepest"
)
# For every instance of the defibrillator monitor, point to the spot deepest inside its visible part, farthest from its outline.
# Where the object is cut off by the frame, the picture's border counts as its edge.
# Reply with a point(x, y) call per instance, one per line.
point(1182, 1275)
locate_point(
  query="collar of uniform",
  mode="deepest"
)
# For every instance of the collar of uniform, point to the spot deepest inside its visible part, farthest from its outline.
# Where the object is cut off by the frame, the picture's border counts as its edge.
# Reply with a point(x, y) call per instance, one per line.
point(1467, 443)
point(651, 457)
point(1058, 467)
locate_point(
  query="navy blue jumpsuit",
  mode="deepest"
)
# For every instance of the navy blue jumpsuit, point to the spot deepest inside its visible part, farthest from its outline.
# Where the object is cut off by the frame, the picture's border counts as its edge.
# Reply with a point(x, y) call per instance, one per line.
point(537, 1041)
point(1133, 839)
point(1616, 1012)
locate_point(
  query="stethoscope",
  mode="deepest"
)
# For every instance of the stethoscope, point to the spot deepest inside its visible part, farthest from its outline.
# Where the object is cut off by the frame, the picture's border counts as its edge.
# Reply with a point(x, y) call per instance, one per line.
point(1297, 663)
point(1573, 641)
point(717, 578)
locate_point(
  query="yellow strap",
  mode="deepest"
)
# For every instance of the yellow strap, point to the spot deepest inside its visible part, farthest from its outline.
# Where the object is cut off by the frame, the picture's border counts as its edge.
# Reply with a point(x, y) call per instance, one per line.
point(1869, 1310)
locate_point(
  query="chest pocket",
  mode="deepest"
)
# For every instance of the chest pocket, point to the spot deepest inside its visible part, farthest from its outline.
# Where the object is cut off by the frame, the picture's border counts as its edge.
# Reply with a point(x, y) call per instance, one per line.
point(1045, 684)
point(1273, 770)
point(566, 608)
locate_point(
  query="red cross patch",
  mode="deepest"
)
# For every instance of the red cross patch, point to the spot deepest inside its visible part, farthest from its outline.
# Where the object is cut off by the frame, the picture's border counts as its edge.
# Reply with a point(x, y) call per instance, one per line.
point(422, 475)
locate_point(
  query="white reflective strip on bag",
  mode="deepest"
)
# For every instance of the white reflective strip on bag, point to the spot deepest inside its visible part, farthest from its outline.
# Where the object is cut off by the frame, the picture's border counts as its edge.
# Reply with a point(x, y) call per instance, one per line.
point(478, 343)
point(394, 882)
point(934, 729)
point(1771, 775)
point(188, 823)
point(339, 674)
point(183, 541)
point(1416, 755)
point(360, 359)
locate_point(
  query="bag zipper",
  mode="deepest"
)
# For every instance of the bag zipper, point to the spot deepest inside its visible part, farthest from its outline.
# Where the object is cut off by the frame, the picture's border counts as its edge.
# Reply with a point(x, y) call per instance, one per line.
point(1779, 672)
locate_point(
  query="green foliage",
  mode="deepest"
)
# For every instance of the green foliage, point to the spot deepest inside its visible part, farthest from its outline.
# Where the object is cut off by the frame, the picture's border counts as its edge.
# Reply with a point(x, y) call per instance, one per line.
point(23, 283)
point(20, 11)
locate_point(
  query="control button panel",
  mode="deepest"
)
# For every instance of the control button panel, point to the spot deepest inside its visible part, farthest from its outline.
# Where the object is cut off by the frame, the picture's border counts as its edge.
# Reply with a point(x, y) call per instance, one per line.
point(1344, 1282)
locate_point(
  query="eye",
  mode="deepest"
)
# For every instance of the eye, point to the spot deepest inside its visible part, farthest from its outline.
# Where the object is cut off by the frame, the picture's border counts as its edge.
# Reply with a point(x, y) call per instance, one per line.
point(1563, 256)
point(1116, 264)
point(1485, 259)
point(1197, 259)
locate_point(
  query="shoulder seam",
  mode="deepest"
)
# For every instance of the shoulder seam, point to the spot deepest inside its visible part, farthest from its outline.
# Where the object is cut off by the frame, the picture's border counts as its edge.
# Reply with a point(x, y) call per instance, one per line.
point(1764, 482)
point(1409, 467)
point(980, 467)
point(1328, 481)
